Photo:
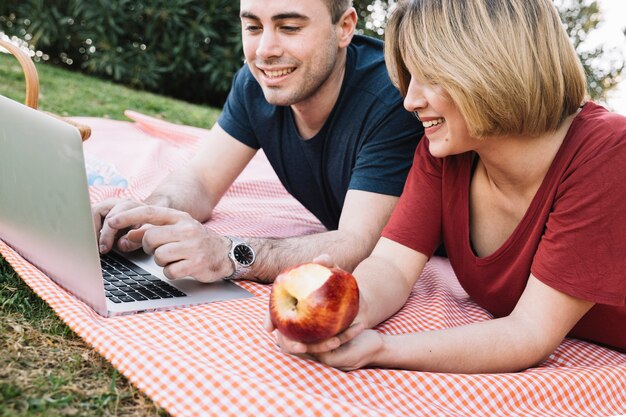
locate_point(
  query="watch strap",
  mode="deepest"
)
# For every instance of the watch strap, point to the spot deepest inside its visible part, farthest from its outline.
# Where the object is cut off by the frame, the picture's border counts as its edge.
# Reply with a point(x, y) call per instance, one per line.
point(239, 269)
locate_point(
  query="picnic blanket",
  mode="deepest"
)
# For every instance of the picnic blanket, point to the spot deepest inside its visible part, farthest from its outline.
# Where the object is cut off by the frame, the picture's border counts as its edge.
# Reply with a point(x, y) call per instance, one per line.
point(216, 359)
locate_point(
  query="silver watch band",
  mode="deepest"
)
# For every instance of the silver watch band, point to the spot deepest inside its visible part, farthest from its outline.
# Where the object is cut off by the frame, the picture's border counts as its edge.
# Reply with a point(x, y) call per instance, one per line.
point(240, 269)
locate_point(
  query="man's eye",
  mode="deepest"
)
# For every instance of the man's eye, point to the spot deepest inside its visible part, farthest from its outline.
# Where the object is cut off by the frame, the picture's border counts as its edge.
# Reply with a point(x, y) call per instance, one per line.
point(252, 29)
point(290, 28)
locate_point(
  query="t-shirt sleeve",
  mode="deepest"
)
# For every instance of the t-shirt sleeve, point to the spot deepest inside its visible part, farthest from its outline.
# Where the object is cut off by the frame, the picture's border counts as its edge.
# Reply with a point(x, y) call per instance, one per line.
point(583, 250)
point(416, 220)
point(383, 162)
point(235, 117)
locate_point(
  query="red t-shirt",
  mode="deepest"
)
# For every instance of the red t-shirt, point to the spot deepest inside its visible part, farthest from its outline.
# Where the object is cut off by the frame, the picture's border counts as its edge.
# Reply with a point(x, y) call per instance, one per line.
point(572, 237)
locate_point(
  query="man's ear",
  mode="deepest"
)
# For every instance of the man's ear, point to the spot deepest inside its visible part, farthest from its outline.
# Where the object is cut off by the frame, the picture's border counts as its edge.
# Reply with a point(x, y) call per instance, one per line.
point(346, 26)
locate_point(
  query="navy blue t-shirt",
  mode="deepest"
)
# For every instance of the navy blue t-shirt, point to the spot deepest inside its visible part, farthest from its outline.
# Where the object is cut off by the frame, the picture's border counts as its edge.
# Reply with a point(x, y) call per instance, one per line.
point(367, 142)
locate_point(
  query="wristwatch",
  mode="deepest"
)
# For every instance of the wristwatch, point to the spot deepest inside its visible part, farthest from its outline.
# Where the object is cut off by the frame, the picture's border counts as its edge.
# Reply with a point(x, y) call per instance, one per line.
point(242, 255)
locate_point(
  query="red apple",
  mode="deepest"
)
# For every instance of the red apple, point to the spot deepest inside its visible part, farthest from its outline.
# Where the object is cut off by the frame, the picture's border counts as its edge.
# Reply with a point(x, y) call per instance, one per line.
point(310, 303)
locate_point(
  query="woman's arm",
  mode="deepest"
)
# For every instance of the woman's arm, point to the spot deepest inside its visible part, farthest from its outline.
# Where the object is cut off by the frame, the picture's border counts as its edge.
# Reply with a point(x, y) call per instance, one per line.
point(385, 281)
point(541, 319)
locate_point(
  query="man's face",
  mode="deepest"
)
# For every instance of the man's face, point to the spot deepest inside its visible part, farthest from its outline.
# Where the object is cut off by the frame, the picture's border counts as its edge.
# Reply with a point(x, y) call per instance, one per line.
point(291, 47)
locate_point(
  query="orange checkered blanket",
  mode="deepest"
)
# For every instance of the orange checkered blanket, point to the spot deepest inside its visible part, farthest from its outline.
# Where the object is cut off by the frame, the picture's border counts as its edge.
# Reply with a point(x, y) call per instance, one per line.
point(216, 359)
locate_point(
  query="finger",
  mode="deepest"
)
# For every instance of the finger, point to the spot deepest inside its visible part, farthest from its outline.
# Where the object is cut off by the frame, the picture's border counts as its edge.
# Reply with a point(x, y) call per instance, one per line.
point(99, 212)
point(176, 270)
point(107, 236)
point(267, 323)
point(97, 224)
point(168, 253)
point(136, 235)
point(133, 240)
point(290, 346)
point(155, 237)
point(126, 245)
point(325, 260)
point(107, 232)
point(336, 341)
point(155, 215)
point(350, 333)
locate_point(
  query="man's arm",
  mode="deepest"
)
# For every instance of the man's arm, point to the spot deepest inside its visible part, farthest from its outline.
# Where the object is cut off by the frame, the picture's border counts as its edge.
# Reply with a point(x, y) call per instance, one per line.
point(198, 187)
point(195, 188)
point(363, 216)
point(184, 247)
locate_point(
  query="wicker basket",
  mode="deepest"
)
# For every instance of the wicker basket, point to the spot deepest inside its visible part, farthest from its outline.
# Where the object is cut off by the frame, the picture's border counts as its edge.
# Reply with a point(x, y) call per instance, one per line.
point(32, 85)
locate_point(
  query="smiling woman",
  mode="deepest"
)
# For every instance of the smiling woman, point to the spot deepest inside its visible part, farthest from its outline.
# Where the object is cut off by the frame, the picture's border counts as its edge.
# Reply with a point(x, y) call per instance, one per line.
point(514, 176)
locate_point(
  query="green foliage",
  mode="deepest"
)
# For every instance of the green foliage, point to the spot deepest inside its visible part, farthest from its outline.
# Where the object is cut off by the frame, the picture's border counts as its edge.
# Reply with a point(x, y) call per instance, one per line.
point(603, 72)
point(188, 49)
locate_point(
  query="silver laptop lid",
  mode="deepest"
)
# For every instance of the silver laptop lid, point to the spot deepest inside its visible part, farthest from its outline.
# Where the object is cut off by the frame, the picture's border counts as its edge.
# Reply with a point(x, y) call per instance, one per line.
point(44, 202)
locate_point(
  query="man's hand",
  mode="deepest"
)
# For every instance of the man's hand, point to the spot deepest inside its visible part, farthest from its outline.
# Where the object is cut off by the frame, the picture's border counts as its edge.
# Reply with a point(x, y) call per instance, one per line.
point(106, 234)
point(180, 244)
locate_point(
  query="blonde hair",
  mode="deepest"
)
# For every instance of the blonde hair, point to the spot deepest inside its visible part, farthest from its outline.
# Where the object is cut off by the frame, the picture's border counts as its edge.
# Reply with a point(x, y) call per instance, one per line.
point(508, 65)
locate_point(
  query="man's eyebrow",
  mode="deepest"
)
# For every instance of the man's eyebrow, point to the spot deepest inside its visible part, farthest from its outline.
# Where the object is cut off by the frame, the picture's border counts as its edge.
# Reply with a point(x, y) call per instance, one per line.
point(292, 15)
point(248, 15)
point(281, 16)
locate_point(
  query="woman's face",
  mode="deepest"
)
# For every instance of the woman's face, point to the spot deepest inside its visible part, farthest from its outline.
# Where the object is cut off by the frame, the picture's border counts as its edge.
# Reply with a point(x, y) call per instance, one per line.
point(444, 126)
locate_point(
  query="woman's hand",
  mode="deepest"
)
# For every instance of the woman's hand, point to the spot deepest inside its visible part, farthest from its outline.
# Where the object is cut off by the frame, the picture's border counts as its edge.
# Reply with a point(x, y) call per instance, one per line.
point(358, 352)
point(351, 349)
point(325, 348)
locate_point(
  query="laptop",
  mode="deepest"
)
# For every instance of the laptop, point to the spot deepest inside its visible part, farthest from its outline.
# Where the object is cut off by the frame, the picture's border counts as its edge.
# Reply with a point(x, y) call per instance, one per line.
point(45, 215)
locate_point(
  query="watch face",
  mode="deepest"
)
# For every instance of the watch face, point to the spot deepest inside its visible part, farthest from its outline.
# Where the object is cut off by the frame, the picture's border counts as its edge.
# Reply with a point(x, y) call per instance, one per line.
point(243, 254)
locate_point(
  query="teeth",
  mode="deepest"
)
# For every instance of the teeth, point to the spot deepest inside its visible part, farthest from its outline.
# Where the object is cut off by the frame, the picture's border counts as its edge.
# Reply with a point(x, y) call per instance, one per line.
point(433, 122)
point(274, 74)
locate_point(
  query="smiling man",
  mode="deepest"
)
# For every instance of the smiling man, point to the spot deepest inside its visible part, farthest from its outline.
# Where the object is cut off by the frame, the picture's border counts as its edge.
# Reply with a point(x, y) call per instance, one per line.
point(317, 99)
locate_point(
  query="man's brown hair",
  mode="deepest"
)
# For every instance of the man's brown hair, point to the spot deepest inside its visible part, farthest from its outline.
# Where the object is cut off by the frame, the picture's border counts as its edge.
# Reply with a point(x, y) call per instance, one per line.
point(337, 8)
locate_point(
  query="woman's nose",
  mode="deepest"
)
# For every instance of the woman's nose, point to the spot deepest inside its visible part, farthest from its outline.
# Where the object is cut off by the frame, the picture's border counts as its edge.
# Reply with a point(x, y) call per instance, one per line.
point(414, 99)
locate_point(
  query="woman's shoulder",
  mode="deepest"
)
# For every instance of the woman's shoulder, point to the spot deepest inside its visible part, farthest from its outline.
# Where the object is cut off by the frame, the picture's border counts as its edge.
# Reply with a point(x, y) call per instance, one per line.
point(602, 123)
point(596, 133)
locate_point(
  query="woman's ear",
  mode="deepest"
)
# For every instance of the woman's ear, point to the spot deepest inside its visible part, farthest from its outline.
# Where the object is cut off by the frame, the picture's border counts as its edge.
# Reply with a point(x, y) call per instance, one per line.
point(346, 27)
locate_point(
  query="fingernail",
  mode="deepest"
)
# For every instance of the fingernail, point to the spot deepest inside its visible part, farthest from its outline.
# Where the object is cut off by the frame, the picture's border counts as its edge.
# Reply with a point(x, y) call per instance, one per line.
point(103, 248)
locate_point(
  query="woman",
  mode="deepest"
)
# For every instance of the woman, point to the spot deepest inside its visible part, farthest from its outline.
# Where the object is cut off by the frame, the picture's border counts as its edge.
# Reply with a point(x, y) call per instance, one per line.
point(522, 180)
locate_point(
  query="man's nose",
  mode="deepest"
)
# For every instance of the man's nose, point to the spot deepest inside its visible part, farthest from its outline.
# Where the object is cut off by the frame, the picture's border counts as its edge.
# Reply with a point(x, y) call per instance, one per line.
point(269, 45)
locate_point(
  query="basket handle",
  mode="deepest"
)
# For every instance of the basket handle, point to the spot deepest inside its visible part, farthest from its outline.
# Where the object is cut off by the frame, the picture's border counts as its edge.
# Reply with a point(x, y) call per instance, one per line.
point(30, 73)
point(32, 85)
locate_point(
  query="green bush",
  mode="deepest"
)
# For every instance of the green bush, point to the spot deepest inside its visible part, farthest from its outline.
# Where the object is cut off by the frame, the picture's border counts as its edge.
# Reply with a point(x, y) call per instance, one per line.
point(188, 49)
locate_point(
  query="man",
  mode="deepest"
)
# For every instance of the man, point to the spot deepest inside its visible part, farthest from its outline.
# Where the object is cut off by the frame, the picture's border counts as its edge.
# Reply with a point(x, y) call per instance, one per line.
point(317, 99)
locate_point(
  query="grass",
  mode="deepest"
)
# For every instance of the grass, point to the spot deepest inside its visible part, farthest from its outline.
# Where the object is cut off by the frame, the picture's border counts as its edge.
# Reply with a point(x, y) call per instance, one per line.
point(45, 369)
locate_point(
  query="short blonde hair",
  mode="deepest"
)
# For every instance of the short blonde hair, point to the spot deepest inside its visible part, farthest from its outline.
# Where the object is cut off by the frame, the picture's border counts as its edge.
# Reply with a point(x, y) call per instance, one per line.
point(508, 65)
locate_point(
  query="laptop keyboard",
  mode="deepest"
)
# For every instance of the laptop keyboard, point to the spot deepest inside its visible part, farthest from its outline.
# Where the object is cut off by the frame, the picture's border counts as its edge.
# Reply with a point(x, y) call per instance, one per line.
point(125, 282)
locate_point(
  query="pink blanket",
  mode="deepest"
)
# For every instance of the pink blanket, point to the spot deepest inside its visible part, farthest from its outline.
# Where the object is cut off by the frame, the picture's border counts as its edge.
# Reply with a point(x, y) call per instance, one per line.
point(216, 359)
